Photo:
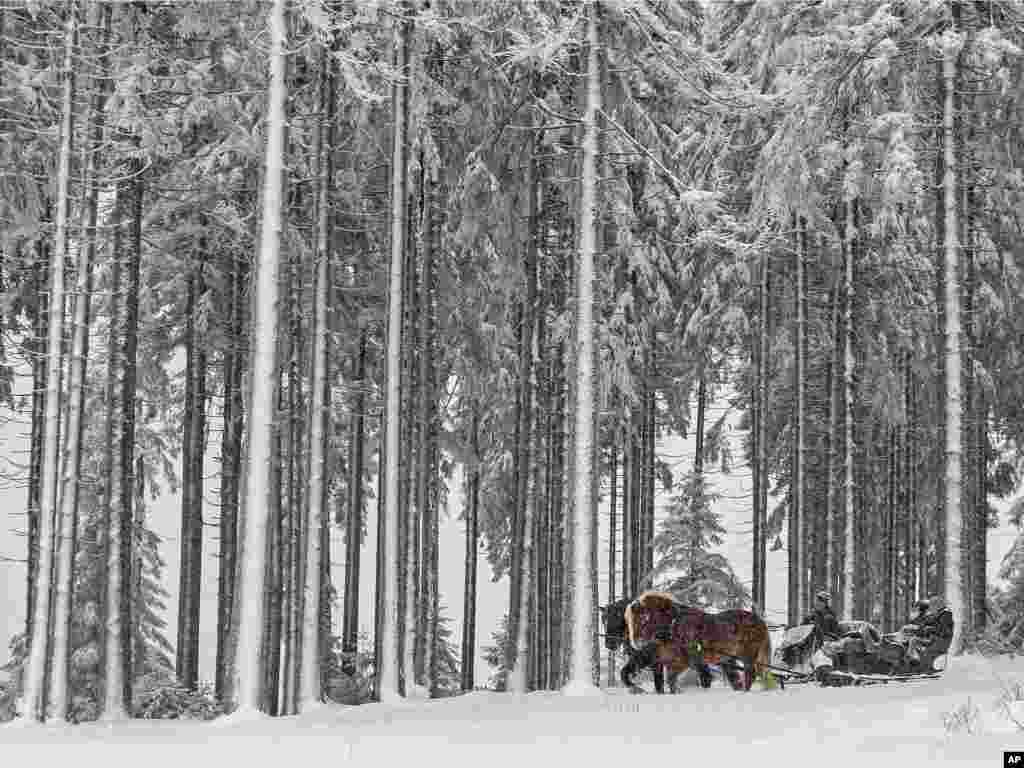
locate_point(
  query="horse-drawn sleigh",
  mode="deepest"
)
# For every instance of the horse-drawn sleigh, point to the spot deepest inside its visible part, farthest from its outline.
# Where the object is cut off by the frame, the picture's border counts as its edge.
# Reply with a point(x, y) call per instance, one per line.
point(659, 633)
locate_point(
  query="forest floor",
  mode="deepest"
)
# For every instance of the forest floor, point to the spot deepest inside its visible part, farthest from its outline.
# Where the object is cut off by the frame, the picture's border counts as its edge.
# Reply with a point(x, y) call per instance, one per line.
point(962, 719)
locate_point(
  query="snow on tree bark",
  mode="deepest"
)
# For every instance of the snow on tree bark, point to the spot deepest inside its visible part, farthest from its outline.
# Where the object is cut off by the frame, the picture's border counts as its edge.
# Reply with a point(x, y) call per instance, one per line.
point(310, 687)
point(951, 43)
point(37, 348)
point(519, 653)
point(248, 685)
point(113, 691)
point(35, 695)
point(761, 504)
point(798, 549)
point(581, 673)
point(60, 686)
point(231, 456)
point(388, 587)
point(472, 545)
point(850, 540)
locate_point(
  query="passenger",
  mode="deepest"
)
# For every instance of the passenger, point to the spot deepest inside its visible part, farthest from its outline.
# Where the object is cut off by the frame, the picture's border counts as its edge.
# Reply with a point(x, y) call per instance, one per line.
point(823, 618)
point(917, 620)
point(935, 634)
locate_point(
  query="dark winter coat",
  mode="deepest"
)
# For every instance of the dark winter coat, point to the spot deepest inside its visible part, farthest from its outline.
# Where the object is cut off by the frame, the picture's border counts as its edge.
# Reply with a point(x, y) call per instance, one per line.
point(824, 620)
point(918, 618)
point(937, 631)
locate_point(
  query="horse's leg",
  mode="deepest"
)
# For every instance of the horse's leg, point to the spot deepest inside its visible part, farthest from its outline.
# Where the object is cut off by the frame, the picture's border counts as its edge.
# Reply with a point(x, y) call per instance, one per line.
point(732, 674)
point(629, 669)
point(659, 678)
point(673, 679)
point(748, 672)
point(705, 676)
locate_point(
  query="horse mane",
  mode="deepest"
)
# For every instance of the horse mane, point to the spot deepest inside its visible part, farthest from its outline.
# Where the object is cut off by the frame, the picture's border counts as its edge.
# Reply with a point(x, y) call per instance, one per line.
point(652, 599)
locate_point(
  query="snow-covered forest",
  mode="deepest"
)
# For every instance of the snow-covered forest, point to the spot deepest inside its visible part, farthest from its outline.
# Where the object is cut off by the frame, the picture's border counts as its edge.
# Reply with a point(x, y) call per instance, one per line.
point(384, 254)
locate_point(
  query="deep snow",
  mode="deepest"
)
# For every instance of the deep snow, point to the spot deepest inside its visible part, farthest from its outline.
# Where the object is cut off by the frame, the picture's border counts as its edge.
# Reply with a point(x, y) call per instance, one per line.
point(899, 724)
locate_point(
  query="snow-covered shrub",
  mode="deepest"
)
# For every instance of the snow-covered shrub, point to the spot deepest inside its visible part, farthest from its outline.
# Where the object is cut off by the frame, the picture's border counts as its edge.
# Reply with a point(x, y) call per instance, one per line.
point(84, 707)
point(11, 675)
point(494, 655)
point(172, 701)
point(356, 688)
point(349, 677)
point(991, 642)
point(1011, 702)
point(962, 718)
point(7, 696)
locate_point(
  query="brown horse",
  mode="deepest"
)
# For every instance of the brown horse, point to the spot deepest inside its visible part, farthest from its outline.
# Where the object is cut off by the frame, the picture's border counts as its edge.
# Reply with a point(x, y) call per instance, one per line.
point(678, 637)
point(641, 655)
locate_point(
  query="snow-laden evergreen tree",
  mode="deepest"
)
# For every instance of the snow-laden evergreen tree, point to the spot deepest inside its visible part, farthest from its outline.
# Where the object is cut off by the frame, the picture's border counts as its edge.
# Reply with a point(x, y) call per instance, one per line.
point(685, 564)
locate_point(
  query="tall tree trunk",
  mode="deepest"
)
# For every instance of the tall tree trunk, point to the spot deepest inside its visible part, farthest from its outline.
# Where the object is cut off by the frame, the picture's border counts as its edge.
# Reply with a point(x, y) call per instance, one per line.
point(252, 556)
point(541, 622)
point(951, 251)
point(410, 543)
point(649, 457)
point(849, 545)
point(472, 546)
point(910, 574)
point(231, 458)
point(762, 438)
point(519, 633)
point(831, 442)
point(185, 571)
point(698, 468)
point(628, 539)
point(421, 425)
point(639, 491)
point(37, 348)
point(556, 526)
point(980, 542)
point(581, 673)
point(293, 549)
point(310, 679)
point(126, 439)
point(113, 690)
point(60, 692)
point(354, 524)
point(192, 480)
point(388, 660)
point(889, 542)
point(36, 673)
point(275, 549)
point(612, 510)
point(755, 467)
point(795, 538)
point(428, 470)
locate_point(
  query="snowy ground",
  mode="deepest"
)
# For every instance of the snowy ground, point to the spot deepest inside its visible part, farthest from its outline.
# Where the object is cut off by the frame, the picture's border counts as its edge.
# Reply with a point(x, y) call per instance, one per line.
point(891, 725)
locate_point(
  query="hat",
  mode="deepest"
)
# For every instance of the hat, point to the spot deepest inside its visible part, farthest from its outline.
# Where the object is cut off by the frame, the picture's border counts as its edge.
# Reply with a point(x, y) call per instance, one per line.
point(823, 595)
point(921, 604)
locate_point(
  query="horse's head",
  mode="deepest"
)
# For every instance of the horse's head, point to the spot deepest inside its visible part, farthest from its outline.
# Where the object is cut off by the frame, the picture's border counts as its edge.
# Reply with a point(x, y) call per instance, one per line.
point(614, 618)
